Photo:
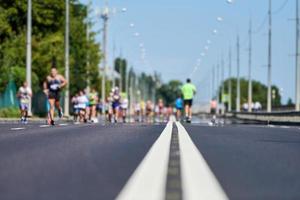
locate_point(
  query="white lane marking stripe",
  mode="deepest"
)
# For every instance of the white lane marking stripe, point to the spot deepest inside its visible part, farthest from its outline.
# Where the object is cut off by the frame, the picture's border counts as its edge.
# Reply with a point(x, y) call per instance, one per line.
point(17, 129)
point(148, 182)
point(285, 127)
point(44, 126)
point(198, 181)
point(63, 124)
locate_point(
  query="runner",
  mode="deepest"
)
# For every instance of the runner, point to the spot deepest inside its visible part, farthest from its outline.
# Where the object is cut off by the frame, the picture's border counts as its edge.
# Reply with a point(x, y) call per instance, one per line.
point(143, 110)
point(83, 103)
point(161, 110)
point(75, 107)
point(179, 107)
point(124, 106)
point(24, 95)
point(52, 88)
point(116, 104)
point(108, 107)
point(93, 99)
point(137, 112)
point(188, 90)
point(149, 111)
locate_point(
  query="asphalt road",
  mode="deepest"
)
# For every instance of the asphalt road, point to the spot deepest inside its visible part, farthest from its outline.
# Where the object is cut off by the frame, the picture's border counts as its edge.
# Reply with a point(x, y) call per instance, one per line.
point(94, 161)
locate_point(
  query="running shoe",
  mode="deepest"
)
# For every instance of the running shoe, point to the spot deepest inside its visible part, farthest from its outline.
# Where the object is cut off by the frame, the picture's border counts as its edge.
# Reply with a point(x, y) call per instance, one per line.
point(60, 114)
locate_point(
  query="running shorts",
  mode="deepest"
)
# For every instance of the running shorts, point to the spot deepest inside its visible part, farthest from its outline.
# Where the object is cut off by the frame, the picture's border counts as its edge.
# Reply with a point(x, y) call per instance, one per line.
point(54, 95)
point(188, 102)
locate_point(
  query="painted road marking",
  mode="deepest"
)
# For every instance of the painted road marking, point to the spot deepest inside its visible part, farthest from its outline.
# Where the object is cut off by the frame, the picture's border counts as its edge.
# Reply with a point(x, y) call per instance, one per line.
point(173, 185)
point(198, 181)
point(148, 182)
point(17, 129)
point(44, 126)
point(63, 124)
point(285, 127)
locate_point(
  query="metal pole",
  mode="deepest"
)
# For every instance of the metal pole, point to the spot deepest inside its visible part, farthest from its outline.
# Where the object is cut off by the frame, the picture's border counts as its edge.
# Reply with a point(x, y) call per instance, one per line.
point(250, 69)
point(105, 28)
point(218, 81)
point(28, 51)
point(121, 75)
point(297, 58)
point(113, 67)
point(88, 49)
point(127, 82)
point(229, 84)
point(67, 51)
point(269, 103)
point(238, 88)
point(213, 83)
point(223, 79)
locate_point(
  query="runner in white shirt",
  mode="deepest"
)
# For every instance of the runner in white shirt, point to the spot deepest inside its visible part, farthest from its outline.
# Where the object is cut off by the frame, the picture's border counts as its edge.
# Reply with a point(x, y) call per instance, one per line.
point(75, 108)
point(124, 106)
point(137, 111)
point(83, 102)
point(24, 95)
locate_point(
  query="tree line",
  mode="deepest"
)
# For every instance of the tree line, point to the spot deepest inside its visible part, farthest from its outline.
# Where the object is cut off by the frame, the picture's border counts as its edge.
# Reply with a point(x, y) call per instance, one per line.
point(48, 29)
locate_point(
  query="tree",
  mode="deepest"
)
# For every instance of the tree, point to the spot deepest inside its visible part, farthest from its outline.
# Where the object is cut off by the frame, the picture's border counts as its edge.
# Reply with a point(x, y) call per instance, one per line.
point(259, 92)
point(290, 103)
point(47, 43)
point(170, 91)
point(121, 68)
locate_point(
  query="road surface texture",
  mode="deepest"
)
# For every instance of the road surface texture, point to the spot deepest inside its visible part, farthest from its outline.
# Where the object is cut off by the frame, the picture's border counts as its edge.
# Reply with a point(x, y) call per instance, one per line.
point(149, 161)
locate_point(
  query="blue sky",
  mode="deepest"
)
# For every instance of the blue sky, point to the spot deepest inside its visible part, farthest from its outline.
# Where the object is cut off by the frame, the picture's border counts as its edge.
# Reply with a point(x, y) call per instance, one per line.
point(175, 32)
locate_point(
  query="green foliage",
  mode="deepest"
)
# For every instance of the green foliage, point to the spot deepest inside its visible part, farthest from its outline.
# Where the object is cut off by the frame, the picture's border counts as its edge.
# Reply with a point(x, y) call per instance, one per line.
point(121, 68)
point(259, 92)
point(48, 20)
point(11, 112)
point(170, 91)
point(290, 102)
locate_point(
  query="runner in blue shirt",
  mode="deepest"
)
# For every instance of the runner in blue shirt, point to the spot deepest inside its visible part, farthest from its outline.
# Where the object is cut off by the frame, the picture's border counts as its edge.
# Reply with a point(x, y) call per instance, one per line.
point(179, 107)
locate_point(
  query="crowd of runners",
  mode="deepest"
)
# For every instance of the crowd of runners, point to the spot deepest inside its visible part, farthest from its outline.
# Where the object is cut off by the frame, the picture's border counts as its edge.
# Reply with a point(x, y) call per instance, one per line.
point(87, 106)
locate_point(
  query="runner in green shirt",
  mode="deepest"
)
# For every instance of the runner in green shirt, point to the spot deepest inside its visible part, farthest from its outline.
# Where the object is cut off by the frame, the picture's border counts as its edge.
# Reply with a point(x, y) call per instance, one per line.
point(188, 91)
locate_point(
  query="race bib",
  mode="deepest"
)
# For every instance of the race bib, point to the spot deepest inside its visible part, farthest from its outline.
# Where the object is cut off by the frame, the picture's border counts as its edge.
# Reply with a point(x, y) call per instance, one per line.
point(54, 87)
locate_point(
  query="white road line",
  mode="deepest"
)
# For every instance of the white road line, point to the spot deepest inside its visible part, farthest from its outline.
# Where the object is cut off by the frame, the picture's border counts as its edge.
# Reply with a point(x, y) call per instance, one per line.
point(285, 127)
point(17, 129)
point(148, 182)
point(44, 126)
point(63, 124)
point(198, 181)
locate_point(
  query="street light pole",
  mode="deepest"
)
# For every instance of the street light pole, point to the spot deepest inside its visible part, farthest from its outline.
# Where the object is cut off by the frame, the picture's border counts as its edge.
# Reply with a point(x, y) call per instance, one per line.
point(229, 83)
point(250, 69)
point(297, 101)
point(105, 17)
point(67, 51)
point(28, 46)
point(89, 6)
point(213, 83)
point(238, 88)
point(269, 103)
point(223, 80)
point(218, 87)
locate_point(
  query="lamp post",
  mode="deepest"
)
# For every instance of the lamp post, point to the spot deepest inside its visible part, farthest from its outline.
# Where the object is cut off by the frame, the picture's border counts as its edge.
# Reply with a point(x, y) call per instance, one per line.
point(105, 16)
point(28, 47)
point(250, 70)
point(229, 82)
point(238, 88)
point(269, 103)
point(67, 51)
point(297, 102)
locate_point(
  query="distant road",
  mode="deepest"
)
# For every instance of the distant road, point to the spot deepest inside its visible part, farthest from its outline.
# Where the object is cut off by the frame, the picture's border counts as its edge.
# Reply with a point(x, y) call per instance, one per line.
point(149, 161)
